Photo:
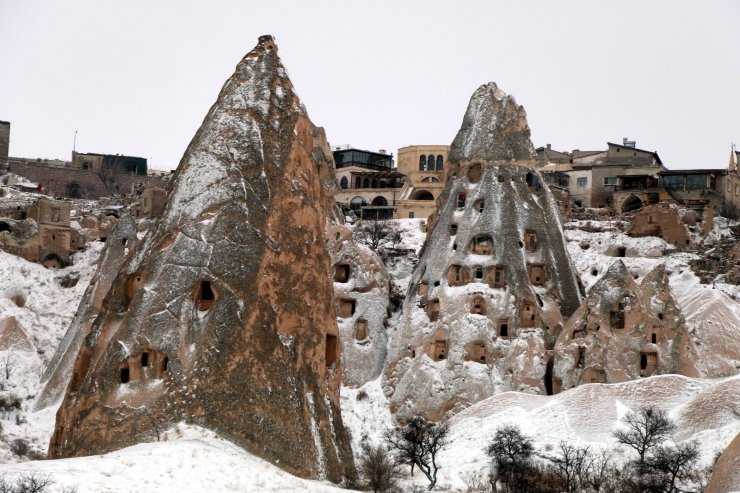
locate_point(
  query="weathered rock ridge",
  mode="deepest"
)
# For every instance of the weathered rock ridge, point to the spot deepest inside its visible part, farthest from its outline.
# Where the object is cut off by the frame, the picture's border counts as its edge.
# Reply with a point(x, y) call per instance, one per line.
point(624, 331)
point(57, 374)
point(224, 317)
point(494, 279)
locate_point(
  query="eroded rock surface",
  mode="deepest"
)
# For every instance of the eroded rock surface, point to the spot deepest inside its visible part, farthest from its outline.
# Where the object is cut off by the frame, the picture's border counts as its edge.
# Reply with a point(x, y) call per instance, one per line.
point(494, 280)
point(624, 331)
point(57, 374)
point(224, 317)
point(361, 290)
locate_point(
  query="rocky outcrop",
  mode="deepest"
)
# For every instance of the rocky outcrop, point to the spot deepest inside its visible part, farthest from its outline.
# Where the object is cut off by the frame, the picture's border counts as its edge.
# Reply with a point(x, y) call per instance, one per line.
point(361, 291)
point(57, 374)
point(494, 279)
point(726, 472)
point(663, 221)
point(224, 317)
point(624, 331)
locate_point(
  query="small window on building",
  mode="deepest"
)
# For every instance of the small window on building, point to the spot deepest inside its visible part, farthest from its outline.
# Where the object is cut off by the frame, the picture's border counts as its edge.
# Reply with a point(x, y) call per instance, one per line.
point(654, 338)
point(453, 229)
point(434, 310)
point(124, 374)
point(55, 215)
point(582, 181)
point(165, 363)
point(503, 328)
point(460, 200)
point(422, 163)
point(482, 245)
point(499, 277)
point(144, 359)
point(608, 181)
point(361, 329)
point(344, 183)
point(478, 306)
point(479, 205)
point(474, 172)
point(346, 307)
point(530, 240)
point(478, 273)
point(411, 215)
point(440, 350)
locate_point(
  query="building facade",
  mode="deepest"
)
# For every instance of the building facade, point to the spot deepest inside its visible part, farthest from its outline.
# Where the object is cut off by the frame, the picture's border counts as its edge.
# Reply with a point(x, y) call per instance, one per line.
point(424, 167)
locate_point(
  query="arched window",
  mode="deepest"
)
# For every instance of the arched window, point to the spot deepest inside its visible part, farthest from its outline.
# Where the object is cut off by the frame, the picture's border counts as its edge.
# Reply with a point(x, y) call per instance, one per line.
point(379, 201)
point(440, 162)
point(356, 203)
point(358, 182)
point(375, 183)
point(422, 163)
point(366, 183)
point(344, 183)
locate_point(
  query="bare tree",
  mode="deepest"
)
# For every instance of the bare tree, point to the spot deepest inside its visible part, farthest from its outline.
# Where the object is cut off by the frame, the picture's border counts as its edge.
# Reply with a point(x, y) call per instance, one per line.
point(33, 482)
point(601, 473)
point(379, 468)
point(646, 428)
point(571, 466)
point(418, 443)
point(376, 233)
point(676, 467)
point(511, 455)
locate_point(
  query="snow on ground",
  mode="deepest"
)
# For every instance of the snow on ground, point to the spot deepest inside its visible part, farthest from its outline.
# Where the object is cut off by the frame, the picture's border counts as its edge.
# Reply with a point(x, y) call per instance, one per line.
point(45, 316)
point(188, 459)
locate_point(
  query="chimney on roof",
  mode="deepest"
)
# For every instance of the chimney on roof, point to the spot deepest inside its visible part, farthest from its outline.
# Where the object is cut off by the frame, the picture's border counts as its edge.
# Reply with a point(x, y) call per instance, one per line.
point(629, 143)
point(549, 147)
point(382, 151)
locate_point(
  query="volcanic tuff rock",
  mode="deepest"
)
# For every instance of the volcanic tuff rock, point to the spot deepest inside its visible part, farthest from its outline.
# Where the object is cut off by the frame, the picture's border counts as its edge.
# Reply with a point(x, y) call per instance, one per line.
point(119, 244)
point(224, 316)
point(361, 291)
point(624, 331)
point(494, 279)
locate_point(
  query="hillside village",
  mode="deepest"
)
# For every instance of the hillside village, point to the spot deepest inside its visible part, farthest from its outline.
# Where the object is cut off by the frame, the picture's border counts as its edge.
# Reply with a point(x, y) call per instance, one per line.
point(289, 300)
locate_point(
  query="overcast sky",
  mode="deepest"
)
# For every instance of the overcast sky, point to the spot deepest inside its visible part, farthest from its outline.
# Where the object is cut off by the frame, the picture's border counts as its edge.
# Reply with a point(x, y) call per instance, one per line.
point(137, 77)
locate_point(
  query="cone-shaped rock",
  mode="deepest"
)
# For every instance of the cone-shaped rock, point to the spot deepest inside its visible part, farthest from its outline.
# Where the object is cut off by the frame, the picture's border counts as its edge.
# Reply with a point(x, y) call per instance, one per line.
point(224, 317)
point(624, 331)
point(494, 280)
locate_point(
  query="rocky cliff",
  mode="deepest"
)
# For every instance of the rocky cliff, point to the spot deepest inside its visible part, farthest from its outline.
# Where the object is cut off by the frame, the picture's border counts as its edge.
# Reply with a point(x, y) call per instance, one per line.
point(225, 317)
point(494, 280)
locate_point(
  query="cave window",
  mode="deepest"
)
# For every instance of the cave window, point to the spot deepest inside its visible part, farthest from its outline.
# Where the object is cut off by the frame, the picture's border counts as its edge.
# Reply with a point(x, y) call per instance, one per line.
point(530, 240)
point(503, 328)
point(453, 229)
point(537, 275)
point(533, 182)
point(482, 245)
point(660, 316)
point(341, 274)
point(499, 277)
point(205, 297)
point(347, 307)
point(434, 310)
point(478, 306)
point(621, 252)
point(479, 205)
point(331, 350)
point(165, 363)
point(144, 359)
point(474, 172)
point(361, 329)
point(643, 361)
point(124, 241)
point(440, 350)
point(460, 200)
point(616, 318)
point(654, 338)
point(527, 315)
point(478, 273)
point(124, 374)
point(581, 356)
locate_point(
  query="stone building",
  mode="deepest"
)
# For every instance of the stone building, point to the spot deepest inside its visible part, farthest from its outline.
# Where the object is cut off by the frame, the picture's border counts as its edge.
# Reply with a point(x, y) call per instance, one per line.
point(732, 183)
point(664, 221)
point(494, 281)
point(47, 239)
point(369, 184)
point(4, 141)
point(423, 166)
point(151, 204)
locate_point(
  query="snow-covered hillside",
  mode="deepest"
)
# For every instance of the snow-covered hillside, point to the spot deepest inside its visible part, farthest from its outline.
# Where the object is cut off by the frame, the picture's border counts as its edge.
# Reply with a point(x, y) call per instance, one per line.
point(192, 459)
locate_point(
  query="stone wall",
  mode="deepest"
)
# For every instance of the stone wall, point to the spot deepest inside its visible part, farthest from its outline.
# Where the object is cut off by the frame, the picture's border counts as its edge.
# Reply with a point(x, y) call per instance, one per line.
point(80, 183)
point(4, 140)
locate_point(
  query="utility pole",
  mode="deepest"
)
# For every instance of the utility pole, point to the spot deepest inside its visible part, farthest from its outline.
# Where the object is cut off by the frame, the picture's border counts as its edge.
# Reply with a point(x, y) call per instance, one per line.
point(74, 143)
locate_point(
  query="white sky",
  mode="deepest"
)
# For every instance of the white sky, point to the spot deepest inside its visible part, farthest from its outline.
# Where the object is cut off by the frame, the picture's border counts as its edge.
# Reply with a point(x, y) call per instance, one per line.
point(137, 77)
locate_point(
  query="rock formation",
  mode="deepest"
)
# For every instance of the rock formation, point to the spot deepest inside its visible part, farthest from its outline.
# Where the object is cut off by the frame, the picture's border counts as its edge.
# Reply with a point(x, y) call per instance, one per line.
point(224, 317)
point(663, 221)
point(623, 331)
point(494, 279)
point(726, 472)
point(361, 292)
point(57, 374)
